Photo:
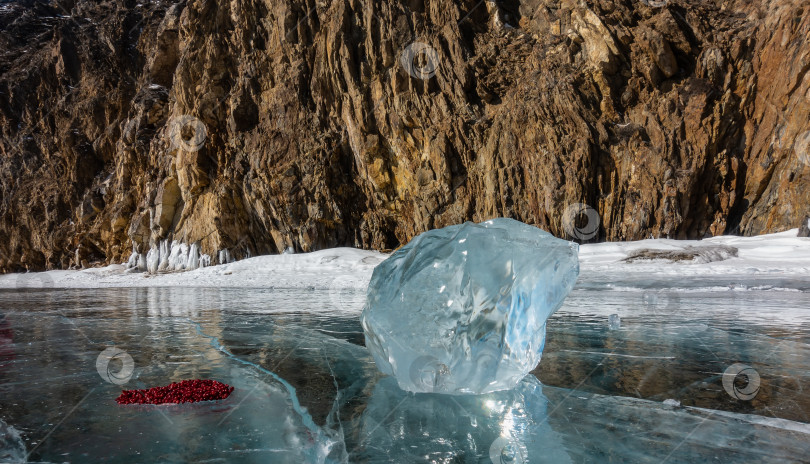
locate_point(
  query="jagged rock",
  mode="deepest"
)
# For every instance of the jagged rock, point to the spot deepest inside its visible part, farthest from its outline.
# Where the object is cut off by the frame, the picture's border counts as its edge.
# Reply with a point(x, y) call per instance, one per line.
point(296, 124)
point(804, 229)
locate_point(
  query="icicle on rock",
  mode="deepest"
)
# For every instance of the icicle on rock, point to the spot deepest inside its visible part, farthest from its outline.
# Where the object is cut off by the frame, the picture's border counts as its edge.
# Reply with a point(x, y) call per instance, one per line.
point(170, 257)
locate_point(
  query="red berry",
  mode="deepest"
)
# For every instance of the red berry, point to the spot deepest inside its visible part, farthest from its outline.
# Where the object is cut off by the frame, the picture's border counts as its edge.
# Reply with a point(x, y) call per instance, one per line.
point(186, 391)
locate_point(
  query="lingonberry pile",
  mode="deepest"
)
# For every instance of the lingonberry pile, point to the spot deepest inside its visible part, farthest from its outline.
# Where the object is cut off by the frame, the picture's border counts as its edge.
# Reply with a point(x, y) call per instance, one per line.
point(186, 391)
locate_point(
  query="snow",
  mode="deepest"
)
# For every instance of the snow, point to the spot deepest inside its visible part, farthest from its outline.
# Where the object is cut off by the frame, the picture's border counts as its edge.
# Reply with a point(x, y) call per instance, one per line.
point(760, 260)
point(764, 254)
point(319, 269)
point(778, 261)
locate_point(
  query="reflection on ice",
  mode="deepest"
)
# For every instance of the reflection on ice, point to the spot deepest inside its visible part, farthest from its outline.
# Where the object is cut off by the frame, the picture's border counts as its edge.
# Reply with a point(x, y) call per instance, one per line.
point(49, 372)
point(541, 424)
point(506, 426)
point(12, 448)
point(303, 439)
point(600, 428)
point(328, 402)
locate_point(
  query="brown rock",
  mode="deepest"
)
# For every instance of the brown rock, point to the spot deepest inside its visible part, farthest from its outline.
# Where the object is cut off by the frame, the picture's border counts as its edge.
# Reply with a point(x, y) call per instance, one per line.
point(252, 127)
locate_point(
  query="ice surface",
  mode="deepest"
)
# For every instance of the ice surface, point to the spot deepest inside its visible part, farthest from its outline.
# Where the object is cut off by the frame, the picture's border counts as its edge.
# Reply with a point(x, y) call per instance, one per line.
point(308, 391)
point(463, 309)
point(262, 420)
point(12, 447)
point(506, 427)
point(534, 423)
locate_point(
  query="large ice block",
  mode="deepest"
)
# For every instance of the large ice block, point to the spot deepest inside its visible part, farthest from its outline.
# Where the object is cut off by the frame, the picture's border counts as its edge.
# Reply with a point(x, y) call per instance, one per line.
point(463, 309)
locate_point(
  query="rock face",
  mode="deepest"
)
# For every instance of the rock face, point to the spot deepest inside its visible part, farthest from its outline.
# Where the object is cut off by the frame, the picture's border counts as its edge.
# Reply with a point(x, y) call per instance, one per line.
point(254, 126)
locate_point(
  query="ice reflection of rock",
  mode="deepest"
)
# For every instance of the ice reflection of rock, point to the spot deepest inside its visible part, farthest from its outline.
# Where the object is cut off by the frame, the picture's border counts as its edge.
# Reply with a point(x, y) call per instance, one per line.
point(506, 426)
point(175, 302)
point(6, 342)
point(12, 447)
point(169, 315)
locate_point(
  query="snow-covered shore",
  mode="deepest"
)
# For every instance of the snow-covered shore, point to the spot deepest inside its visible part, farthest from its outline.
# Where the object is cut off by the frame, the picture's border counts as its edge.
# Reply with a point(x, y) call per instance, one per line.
point(774, 256)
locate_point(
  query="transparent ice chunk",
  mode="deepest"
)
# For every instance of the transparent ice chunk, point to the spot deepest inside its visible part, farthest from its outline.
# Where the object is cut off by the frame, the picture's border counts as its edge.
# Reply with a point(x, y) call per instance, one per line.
point(463, 309)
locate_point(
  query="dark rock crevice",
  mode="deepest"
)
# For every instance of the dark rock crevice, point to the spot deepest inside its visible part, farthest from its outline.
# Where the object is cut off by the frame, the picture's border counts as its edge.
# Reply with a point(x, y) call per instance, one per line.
point(684, 120)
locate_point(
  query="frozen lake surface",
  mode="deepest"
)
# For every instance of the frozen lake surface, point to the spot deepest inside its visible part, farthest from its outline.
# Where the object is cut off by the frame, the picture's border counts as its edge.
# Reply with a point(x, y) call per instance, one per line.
point(307, 390)
point(633, 369)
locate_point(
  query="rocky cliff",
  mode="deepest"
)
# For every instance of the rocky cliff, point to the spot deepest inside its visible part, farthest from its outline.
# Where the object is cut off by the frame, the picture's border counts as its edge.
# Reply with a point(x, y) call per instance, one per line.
point(253, 126)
